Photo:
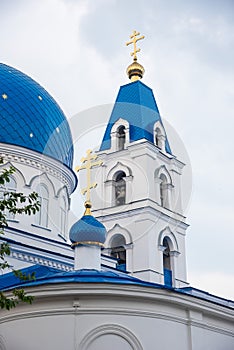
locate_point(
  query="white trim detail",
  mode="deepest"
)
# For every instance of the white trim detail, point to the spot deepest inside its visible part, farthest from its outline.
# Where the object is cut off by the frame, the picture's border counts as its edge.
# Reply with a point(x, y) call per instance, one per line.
point(115, 230)
point(116, 168)
point(163, 170)
point(40, 261)
point(105, 329)
point(166, 232)
point(40, 162)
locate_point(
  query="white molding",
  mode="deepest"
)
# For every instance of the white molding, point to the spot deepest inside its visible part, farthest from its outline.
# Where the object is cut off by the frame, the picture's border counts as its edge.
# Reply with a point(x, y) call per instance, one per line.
point(116, 329)
point(133, 294)
point(39, 260)
point(16, 154)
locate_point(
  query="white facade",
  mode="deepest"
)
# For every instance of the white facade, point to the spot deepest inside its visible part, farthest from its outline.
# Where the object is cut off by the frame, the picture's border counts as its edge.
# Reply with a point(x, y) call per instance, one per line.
point(151, 211)
point(41, 238)
point(79, 316)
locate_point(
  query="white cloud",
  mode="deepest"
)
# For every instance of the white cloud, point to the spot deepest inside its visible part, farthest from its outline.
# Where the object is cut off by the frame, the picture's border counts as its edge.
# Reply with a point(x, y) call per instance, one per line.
point(217, 283)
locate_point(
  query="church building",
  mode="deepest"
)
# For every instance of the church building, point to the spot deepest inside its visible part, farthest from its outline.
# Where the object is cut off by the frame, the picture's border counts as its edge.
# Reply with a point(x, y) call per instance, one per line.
point(117, 277)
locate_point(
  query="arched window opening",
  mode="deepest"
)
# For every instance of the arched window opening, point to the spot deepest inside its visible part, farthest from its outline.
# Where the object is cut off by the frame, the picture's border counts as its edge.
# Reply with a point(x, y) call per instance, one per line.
point(163, 191)
point(63, 217)
point(158, 138)
point(120, 188)
point(167, 268)
point(42, 214)
point(121, 136)
point(6, 188)
point(118, 251)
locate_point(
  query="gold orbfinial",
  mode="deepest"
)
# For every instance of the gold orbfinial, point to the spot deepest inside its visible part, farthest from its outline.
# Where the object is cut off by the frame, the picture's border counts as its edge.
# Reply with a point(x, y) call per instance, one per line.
point(135, 71)
point(88, 165)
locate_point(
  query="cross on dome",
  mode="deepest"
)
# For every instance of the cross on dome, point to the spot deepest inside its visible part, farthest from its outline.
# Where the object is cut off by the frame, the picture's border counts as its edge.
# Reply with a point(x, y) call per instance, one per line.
point(88, 164)
point(134, 40)
point(135, 70)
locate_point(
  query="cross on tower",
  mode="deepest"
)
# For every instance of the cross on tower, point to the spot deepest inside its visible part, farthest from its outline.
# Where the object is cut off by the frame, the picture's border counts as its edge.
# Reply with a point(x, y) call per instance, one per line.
point(88, 165)
point(134, 41)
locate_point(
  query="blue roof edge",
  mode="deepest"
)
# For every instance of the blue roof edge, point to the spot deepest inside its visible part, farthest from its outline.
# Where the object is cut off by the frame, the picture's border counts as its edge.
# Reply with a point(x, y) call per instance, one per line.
point(49, 275)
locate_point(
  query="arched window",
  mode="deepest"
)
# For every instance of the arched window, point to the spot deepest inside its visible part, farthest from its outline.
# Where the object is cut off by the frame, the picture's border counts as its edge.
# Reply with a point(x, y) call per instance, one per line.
point(118, 251)
point(120, 188)
point(8, 187)
point(163, 190)
point(63, 216)
point(158, 137)
point(167, 268)
point(121, 136)
point(42, 214)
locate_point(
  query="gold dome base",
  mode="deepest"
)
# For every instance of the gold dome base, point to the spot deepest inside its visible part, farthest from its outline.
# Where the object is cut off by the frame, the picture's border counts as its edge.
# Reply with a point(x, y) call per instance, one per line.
point(135, 71)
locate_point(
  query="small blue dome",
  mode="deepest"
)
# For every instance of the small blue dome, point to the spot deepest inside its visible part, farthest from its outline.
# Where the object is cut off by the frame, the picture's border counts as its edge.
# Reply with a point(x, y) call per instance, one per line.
point(88, 229)
point(31, 118)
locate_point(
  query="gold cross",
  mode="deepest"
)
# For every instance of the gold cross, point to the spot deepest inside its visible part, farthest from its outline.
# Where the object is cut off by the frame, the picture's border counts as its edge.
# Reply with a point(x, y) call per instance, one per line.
point(88, 165)
point(134, 41)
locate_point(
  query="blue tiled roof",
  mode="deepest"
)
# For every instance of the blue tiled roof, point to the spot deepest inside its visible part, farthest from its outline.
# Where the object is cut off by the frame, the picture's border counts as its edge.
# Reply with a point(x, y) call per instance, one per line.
point(48, 275)
point(88, 229)
point(136, 104)
point(31, 118)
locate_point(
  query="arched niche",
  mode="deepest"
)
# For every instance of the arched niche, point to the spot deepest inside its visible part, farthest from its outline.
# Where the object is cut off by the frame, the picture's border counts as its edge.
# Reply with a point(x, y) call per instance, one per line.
point(111, 336)
point(118, 251)
point(168, 246)
point(41, 217)
point(43, 179)
point(120, 188)
point(120, 135)
point(18, 176)
point(163, 183)
point(118, 184)
point(159, 136)
point(118, 244)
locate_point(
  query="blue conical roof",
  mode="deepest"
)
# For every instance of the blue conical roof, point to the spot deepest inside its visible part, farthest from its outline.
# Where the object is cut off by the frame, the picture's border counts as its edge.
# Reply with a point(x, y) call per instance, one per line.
point(136, 104)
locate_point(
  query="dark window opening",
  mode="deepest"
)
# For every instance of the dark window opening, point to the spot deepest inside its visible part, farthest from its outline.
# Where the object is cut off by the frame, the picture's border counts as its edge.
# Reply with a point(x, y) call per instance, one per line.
point(118, 251)
point(158, 136)
point(163, 191)
point(120, 189)
point(167, 269)
point(121, 137)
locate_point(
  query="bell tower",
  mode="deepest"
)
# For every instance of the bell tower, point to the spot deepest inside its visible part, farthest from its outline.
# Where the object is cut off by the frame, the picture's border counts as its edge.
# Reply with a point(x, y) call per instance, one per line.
point(138, 198)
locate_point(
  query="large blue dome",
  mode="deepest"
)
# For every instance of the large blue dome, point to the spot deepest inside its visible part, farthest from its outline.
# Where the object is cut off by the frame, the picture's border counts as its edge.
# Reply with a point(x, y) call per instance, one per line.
point(31, 118)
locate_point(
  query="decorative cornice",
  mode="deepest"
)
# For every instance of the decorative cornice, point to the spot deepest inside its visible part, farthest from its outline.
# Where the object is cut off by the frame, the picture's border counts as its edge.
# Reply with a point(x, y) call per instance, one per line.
point(149, 206)
point(37, 259)
point(16, 154)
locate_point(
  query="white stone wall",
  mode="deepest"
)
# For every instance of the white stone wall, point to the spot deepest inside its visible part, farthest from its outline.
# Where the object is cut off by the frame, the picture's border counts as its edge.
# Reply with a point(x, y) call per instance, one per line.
point(32, 171)
point(143, 221)
point(94, 317)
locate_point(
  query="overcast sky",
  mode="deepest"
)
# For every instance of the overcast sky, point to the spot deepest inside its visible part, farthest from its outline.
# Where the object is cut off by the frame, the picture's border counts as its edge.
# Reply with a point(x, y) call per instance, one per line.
point(76, 50)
